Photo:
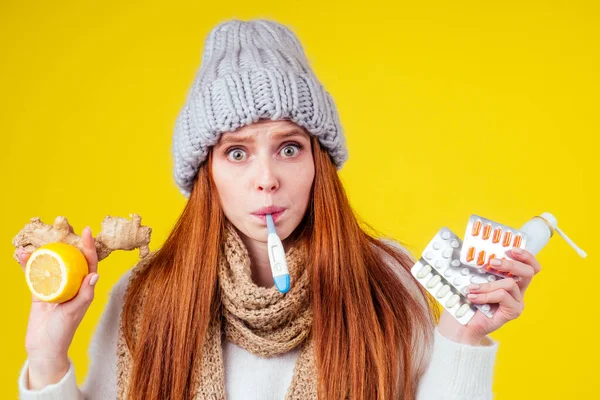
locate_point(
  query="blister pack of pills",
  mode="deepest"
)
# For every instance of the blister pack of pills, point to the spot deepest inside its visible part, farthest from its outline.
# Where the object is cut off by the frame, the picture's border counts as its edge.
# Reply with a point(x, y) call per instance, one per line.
point(442, 256)
point(485, 239)
point(450, 298)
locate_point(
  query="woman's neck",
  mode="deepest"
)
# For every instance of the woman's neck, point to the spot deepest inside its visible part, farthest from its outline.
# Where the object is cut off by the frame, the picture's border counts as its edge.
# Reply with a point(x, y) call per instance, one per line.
point(259, 263)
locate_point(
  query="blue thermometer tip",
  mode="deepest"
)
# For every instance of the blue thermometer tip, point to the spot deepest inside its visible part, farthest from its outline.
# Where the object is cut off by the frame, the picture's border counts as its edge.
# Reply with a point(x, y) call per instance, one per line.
point(270, 224)
point(282, 282)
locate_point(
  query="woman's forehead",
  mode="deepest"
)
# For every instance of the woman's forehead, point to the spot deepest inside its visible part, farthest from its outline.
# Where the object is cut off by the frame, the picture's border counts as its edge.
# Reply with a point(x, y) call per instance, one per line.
point(265, 127)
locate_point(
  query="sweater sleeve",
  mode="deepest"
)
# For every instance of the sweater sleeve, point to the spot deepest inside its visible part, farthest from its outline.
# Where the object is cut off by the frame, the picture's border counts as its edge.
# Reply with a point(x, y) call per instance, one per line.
point(100, 382)
point(458, 371)
point(66, 388)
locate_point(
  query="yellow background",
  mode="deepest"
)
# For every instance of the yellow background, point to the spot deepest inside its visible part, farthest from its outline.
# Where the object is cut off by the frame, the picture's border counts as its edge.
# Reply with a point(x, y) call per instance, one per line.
point(449, 109)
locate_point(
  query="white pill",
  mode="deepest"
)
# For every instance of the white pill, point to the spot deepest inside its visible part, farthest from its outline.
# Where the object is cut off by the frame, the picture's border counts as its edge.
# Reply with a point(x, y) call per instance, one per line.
point(423, 271)
point(452, 301)
point(447, 253)
point(437, 245)
point(448, 272)
point(434, 281)
point(491, 278)
point(445, 235)
point(485, 307)
point(457, 281)
point(442, 291)
point(455, 263)
point(438, 264)
point(454, 244)
point(428, 255)
point(464, 271)
point(465, 290)
point(478, 279)
point(462, 310)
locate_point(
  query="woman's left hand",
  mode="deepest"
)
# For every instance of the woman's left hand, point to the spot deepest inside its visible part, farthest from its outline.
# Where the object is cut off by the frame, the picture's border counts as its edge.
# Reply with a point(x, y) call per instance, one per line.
point(507, 293)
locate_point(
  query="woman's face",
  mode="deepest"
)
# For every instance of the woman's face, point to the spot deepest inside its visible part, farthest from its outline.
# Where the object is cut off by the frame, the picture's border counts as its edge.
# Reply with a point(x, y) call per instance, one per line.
point(268, 163)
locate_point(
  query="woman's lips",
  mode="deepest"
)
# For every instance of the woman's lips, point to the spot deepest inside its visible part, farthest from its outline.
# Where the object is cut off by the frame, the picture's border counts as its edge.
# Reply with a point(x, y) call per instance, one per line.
point(263, 217)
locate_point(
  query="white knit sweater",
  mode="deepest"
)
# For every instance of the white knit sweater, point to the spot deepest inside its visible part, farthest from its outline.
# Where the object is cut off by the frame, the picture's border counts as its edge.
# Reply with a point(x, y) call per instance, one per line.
point(456, 371)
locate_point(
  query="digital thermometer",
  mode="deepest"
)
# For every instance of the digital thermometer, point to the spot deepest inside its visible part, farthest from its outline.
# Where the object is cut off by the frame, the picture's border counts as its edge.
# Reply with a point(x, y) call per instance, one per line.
point(279, 268)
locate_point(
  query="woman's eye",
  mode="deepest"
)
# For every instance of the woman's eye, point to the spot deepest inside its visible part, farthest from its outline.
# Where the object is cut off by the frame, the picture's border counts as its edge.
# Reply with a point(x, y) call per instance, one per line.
point(290, 150)
point(237, 154)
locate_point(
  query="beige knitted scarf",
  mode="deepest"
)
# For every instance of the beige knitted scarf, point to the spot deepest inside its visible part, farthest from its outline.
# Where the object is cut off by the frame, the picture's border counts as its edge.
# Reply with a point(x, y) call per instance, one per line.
point(261, 320)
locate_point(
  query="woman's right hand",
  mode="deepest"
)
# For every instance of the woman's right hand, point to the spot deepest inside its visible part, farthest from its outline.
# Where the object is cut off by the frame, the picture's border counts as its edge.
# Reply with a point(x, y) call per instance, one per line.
point(51, 327)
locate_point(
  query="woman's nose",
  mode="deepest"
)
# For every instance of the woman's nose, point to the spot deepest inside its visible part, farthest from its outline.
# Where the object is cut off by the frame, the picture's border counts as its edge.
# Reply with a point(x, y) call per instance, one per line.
point(266, 180)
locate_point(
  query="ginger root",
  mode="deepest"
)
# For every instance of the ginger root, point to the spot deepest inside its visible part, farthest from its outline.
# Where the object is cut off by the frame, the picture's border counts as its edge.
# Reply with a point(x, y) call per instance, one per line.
point(116, 234)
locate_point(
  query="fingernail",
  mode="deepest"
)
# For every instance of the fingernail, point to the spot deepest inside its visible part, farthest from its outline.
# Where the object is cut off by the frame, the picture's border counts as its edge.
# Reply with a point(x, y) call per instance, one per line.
point(495, 261)
point(472, 296)
point(94, 279)
point(517, 250)
point(474, 287)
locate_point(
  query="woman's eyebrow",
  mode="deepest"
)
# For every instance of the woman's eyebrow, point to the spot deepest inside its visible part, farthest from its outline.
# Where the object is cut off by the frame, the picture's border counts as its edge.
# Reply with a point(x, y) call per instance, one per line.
point(292, 133)
point(250, 138)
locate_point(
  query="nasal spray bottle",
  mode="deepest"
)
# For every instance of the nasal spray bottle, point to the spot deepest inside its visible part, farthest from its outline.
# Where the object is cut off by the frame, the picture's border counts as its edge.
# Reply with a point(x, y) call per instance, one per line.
point(279, 268)
point(540, 229)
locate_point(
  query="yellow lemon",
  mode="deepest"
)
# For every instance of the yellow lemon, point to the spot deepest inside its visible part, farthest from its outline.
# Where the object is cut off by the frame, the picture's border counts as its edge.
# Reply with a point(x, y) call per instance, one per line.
point(55, 271)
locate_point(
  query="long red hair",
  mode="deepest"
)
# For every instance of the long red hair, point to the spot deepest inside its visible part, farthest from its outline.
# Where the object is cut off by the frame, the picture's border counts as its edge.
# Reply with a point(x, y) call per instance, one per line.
point(366, 321)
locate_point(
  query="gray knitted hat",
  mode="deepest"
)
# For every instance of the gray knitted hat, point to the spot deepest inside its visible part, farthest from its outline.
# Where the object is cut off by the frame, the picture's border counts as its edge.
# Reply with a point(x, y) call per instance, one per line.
point(251, 70)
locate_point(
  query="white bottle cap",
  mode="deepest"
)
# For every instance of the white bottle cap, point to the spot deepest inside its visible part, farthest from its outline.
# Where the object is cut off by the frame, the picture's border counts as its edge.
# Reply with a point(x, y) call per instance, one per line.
point(551, 220)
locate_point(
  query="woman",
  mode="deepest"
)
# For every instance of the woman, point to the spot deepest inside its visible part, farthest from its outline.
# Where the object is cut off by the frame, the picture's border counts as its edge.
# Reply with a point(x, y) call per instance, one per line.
point(201, 319)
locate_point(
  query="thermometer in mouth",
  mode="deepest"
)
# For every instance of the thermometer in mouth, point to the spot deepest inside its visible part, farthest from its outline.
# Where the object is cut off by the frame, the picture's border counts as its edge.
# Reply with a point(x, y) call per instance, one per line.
point(279, 268)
